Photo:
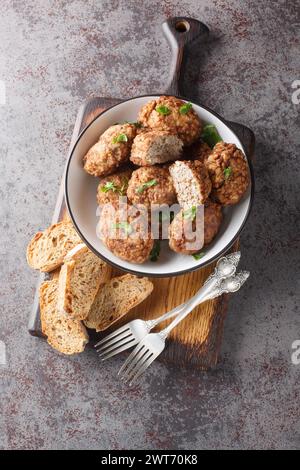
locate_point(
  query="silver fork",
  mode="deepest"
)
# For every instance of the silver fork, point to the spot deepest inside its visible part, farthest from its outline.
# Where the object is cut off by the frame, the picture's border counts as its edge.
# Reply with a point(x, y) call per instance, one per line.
point(133, 332)
point(153, 344)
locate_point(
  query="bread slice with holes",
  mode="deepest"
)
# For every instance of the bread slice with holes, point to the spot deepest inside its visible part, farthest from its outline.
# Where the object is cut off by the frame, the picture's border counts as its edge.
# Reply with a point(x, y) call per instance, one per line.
point(64, 334)
point(47, 249)
point(79, 281)
point(115, 298)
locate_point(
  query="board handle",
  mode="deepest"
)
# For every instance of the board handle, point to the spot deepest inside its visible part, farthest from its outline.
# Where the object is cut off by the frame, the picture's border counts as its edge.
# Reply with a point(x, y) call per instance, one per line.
point(180, 32)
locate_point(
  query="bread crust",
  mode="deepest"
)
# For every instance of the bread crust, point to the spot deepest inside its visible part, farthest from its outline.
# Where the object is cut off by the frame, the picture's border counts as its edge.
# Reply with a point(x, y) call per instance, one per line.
point(79, 280)
point(64, 334)
point(47, 250)
point(116, 298)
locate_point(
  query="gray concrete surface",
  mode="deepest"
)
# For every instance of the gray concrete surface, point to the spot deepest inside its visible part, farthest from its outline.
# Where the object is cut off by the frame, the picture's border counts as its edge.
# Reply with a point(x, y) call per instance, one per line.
point(53, 56)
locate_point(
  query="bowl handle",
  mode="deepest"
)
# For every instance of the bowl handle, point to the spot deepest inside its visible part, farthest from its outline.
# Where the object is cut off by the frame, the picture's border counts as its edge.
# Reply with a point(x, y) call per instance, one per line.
point(181, 32)
point(246, 137)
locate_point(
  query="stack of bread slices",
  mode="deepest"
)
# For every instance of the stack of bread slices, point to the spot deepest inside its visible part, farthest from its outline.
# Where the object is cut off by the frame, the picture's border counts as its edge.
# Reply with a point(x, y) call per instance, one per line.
point(81, 293)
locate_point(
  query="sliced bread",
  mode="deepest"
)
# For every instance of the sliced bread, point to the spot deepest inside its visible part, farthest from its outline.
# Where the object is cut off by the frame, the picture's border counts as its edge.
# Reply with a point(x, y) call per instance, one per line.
point(64, 334)
point(79, 281)
point(47, 249)
point(115, 298)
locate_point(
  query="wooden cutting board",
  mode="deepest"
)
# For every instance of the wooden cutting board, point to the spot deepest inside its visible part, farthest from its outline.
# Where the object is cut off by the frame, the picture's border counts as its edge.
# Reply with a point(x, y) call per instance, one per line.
point(197, 339)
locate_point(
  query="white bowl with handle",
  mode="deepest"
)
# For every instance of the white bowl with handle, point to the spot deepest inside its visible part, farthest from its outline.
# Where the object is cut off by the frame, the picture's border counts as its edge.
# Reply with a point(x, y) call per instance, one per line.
point(81, 190)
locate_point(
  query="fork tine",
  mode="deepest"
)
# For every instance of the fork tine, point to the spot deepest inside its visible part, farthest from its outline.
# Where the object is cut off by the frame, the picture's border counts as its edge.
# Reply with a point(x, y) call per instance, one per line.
point(124, 346)
point(115, 333)
point(114, 341)
point(130, 357)
point(138, 366)
point(117, 345)
point(134, 361)
point(142, 369)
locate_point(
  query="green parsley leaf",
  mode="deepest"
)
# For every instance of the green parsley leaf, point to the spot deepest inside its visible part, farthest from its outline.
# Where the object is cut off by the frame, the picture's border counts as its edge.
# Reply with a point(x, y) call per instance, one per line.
point(162, 109)
point(210, 135)
point(198, 256)
point(154, 254)
point(111, 186)
point(123, 226)
point(227, 172)
point(185, 108)
point(123, 189)
point(190, 214)
point(146, 185)
point(120, 138)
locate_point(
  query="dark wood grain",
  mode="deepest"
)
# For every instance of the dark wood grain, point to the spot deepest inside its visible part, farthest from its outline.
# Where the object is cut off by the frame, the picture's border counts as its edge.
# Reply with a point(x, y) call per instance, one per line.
point(180, 33)
point(197, 340)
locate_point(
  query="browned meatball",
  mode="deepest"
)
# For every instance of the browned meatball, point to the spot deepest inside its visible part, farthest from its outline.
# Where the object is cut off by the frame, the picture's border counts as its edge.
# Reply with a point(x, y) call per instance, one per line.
point(197, 151)
point(184, 237)
point(182, 229)
point(151, 185)
point(112, 187)
point(229, 173)
point(173, 114)
point(212, 220)
point(191, 181)
point(160, 222)
point(126, 233)
point(111, 151)
point(155, 146)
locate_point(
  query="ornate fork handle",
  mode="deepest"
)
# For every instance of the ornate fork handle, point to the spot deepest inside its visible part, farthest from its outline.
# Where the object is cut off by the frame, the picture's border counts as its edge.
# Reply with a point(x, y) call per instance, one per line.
point(231, 284)
point(226, 267)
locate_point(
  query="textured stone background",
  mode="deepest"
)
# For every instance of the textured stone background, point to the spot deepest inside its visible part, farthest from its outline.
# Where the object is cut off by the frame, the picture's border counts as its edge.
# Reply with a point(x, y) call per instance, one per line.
point(54, 54)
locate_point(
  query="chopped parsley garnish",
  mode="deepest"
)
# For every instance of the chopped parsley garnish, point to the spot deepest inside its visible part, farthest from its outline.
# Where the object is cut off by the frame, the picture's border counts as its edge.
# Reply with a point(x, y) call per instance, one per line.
point(123, 226)
point(120, 138)
point(162, 109)
point(185, 108)
point(146, 185)
point(227, 172)
point(123, 189)
point(190, 214)
point(198, 256)
point(111, 186)
point(210, 135)
point(154, 254)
